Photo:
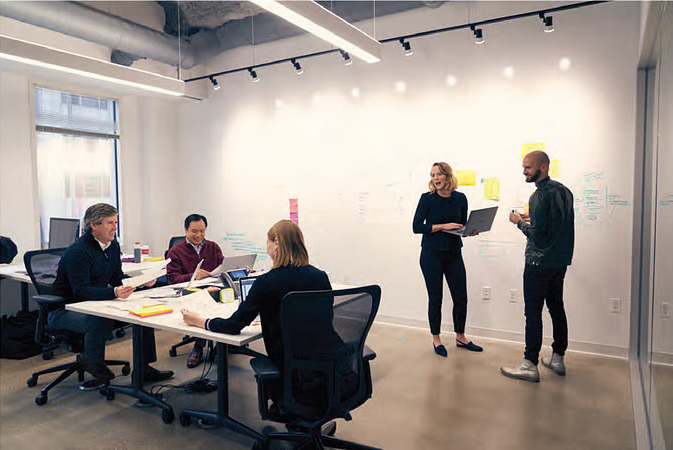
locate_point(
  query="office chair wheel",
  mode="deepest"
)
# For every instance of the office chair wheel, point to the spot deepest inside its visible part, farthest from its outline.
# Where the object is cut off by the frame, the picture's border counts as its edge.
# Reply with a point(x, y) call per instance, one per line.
point(185, 419)
point(47, 355)
point(41, 399)
point(172, 353)
point(110, 394)
point(32, 382)
point(126, 370)
point(120, 333)
point(167, 415)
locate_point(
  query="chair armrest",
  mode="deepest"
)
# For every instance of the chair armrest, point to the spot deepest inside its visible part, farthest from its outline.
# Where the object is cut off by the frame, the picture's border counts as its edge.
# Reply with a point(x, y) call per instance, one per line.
point(48, 299)
point(264, 368)
point(368, 354)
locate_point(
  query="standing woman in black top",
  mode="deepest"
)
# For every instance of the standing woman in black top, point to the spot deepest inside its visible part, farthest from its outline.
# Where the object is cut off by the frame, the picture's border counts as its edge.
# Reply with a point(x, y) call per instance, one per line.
point(443, 208)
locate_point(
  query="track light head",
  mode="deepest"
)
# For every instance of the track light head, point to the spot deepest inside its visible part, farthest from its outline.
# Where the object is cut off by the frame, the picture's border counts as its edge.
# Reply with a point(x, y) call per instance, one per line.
point(216, 85)
point(478, 35)
point(253, 75)
point(297, 67)
point(347, 58)
point(406, 45)
point(548, 23)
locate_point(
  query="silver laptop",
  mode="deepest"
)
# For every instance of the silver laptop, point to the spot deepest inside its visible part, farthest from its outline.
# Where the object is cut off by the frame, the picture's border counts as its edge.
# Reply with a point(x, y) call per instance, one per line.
point(246, 262)
point(480, 220)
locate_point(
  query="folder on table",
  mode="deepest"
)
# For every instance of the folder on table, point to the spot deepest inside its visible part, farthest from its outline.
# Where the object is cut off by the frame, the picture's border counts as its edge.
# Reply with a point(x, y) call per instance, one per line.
point(152, 310)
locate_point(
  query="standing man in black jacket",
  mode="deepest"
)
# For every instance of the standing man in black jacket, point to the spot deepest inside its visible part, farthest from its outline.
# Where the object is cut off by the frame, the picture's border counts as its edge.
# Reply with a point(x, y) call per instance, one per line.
point(91, 269)
point(549, 252)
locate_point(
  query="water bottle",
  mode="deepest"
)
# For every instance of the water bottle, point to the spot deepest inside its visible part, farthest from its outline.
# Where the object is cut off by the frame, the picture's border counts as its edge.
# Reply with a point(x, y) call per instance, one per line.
point(137, 253)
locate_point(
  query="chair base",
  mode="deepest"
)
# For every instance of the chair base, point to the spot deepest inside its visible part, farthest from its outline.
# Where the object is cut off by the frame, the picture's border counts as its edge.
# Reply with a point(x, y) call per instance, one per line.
point(173, 352)
point(67, 370)
point(316, 439)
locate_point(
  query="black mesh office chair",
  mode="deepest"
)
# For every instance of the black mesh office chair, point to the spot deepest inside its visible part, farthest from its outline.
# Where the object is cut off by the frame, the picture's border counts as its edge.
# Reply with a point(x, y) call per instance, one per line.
point(41, 266)
point(326, 371)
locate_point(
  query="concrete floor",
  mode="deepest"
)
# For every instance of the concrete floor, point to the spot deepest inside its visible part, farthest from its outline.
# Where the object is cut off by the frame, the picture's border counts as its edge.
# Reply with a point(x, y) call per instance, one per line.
point(421, 401)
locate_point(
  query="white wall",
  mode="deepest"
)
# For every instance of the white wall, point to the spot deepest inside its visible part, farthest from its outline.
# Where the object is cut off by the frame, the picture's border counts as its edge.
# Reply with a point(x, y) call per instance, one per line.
point(358, 166)
point(148, 162)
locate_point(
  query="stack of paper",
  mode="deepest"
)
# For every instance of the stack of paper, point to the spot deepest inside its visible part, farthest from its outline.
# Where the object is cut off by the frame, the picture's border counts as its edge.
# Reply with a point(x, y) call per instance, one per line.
point(154, 271)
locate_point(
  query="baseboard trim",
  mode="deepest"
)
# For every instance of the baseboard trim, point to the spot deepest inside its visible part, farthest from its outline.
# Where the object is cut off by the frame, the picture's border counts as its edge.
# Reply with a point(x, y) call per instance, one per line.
point(510, 336)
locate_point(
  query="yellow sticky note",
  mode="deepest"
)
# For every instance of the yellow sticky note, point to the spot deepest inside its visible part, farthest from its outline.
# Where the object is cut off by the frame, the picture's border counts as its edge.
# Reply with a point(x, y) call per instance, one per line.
point(492, 188)
point(555, 168)
point(531, 147)
point(466, 177)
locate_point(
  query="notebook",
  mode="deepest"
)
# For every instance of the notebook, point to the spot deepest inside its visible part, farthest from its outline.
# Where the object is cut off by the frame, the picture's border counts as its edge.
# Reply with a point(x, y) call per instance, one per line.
point(152, 310)
point(480, 220)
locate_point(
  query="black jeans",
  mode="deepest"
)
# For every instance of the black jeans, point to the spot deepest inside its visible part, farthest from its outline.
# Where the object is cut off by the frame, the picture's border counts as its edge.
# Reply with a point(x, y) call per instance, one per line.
point(434, 265)
point(540, 284)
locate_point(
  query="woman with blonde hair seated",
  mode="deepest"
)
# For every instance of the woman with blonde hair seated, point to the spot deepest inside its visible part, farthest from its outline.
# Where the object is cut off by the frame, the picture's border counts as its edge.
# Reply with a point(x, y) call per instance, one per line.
point(291, 272)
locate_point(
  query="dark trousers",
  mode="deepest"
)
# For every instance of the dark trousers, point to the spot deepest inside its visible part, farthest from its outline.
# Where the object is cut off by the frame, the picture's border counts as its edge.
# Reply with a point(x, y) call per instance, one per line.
point(96, 331)
point(540, 284)
point(435, 265)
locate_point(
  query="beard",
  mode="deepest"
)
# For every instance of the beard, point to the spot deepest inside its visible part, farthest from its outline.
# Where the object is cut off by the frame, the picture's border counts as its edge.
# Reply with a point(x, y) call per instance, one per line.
point(535, 177)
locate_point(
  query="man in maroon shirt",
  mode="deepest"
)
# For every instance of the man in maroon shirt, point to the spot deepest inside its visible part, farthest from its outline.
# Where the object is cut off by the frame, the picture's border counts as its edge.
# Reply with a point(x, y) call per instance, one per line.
point(185, 256)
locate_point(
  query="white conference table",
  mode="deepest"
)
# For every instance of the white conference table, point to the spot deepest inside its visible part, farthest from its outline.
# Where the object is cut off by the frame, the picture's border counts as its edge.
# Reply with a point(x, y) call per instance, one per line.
point(119, 310)
point(17, 272)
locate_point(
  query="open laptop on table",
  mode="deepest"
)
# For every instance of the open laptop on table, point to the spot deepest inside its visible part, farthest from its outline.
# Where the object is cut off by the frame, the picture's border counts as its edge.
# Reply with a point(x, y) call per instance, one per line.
point(480, 220)
point(246, 262)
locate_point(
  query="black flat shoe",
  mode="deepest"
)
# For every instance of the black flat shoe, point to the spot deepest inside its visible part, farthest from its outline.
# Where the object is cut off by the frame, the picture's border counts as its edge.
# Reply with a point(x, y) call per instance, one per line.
point(471, 346)
point(440, 350)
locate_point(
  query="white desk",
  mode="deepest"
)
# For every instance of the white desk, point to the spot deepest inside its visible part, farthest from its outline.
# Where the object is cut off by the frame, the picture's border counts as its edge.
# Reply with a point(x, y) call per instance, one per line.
point(173, 322)
point(17, 272)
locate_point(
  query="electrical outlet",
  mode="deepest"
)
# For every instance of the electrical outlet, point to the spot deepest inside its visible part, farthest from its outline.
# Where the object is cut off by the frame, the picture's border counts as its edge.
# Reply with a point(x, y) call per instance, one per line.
point(665, 310)
point(616, 305)
point(513, 296)
point(485, 292)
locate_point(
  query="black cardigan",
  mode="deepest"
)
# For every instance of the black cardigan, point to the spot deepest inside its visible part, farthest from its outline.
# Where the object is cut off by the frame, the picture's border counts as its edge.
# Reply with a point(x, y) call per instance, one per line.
point(434, 209)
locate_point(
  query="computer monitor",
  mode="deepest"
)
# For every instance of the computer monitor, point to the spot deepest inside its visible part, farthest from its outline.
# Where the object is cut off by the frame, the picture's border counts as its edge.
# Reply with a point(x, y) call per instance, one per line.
point(62, 232)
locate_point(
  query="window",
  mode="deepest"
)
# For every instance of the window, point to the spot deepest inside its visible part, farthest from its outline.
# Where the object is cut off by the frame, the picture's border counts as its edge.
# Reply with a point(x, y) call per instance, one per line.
point(77, 141)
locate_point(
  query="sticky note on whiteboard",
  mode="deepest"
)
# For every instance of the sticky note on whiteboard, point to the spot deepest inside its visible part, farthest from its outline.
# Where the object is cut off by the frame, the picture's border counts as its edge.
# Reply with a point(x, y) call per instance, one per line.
point(492, 188)
point(531, 147)
point(466, 177)
point(555, 168)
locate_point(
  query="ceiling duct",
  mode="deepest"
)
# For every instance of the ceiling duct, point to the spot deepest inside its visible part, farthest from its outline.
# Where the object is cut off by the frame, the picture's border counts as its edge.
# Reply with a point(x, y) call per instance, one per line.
point(92, 25)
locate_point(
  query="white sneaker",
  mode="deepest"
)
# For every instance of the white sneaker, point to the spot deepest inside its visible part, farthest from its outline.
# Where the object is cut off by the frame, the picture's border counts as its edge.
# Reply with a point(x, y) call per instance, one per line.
point(555, 364)
point(524, 371)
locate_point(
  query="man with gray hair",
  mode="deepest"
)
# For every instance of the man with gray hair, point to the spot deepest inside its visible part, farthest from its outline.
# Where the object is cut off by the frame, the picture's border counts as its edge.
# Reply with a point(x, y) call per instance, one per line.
point(91, 269)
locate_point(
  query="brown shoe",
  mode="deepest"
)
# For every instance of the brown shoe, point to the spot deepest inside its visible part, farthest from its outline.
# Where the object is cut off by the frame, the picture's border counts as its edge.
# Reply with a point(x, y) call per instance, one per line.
point(195, 357)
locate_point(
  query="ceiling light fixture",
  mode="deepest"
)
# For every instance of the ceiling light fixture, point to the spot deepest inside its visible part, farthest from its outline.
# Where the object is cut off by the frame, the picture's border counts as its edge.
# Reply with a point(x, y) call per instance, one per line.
point(326, 25)
point(547, 22)
point(478, 35)
point(297, 67)
point(85, 66)
point(347, 58)
point(253, 74)
point(406, 45)
point(216, 85)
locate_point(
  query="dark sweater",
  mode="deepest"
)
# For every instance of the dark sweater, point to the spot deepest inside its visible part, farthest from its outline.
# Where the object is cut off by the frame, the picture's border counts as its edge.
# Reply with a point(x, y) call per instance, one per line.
point(264, 299)
point(86, 272)
point(434, 209)
point(184, 260)
point(551, 231)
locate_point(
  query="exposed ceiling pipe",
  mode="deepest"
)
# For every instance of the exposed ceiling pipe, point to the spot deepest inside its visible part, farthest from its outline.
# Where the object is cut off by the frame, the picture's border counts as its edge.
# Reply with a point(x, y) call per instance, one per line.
point(92, 25)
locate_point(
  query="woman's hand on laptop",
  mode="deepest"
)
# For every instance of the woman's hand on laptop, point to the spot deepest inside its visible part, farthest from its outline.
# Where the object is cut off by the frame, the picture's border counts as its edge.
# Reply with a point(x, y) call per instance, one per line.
point(452, 226)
